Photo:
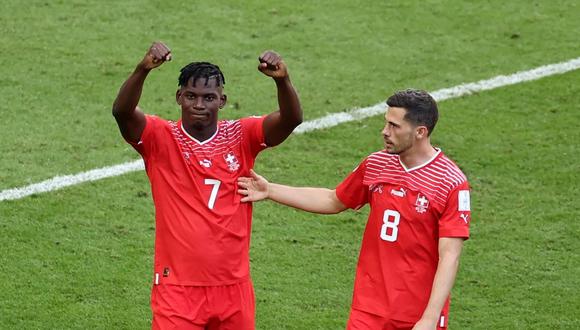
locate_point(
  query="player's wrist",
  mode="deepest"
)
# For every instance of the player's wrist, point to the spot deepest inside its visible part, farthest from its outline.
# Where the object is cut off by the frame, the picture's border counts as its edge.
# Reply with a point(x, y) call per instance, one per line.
point(142, 68)
point(268, 190)
point(430, 318)
point(282, 80)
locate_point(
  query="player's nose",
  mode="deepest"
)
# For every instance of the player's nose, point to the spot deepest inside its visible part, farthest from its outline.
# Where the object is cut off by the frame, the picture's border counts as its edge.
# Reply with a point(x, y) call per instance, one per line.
point(385, 131)
point(198, 103)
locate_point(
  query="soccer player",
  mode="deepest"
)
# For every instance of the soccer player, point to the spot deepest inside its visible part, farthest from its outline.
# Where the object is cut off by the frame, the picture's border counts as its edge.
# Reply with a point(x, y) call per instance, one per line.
point(419, 218)
point(202, 236)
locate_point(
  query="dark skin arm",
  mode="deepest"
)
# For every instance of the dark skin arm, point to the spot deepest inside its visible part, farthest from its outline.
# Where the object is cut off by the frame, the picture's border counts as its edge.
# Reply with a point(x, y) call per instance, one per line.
point(130, 119)
point(279, 124)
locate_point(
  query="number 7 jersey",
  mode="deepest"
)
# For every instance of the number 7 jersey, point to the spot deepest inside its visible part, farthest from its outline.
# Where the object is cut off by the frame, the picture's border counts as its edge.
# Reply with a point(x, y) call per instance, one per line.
point(410, 209)
point(202, 230)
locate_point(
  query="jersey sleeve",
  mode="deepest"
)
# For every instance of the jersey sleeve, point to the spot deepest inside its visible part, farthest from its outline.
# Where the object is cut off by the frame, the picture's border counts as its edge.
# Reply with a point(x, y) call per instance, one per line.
point(352, 192)
point(456, 217)
point(253, 132)
point(147, 144)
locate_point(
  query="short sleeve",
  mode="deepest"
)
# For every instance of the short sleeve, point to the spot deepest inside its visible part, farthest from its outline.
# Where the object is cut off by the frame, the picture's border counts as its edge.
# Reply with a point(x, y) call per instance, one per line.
point(352, 192)
point(147, 143)
point(456, 217)
point(253, 132)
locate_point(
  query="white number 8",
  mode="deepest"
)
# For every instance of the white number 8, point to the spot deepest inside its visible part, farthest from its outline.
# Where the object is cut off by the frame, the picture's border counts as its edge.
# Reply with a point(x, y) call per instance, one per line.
point(391, 220)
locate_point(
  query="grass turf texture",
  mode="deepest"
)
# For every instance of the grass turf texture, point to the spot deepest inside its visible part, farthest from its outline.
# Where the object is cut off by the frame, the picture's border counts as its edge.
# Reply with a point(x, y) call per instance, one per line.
point(81, 257)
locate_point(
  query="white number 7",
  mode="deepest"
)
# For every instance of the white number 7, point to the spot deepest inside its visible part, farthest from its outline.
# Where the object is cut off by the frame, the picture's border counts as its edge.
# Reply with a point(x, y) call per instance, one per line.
point(214, 191)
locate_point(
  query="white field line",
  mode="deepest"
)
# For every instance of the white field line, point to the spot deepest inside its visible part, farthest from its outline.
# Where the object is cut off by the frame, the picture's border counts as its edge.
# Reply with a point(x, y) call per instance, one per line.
point(445, 94)
point(330, 120)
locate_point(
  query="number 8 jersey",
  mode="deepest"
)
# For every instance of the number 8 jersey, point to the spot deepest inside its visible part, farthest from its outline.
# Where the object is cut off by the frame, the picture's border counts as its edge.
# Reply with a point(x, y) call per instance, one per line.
point(202, 232)
point(410, 209)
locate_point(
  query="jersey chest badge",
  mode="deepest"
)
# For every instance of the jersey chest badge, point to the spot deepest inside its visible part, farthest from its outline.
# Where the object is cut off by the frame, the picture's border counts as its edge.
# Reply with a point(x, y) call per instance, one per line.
point(421, 204)
point(232, 161)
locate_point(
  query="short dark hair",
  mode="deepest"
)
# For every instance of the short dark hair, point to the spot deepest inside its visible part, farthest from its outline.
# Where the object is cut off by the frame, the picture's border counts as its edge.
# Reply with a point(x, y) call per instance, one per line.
point(197, 70)
point(421, 107)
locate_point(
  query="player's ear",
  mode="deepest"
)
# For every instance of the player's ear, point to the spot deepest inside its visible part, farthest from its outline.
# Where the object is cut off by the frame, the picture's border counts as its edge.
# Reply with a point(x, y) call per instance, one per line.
point(223, 100)
point(421, 132)
point(177, 95)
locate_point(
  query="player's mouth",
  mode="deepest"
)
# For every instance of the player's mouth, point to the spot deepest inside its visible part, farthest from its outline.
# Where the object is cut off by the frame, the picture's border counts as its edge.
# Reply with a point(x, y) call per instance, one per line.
point(199, 116)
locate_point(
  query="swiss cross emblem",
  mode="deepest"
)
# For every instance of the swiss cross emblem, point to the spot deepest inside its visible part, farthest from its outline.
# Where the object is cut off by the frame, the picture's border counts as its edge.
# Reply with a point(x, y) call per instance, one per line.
point(421, 204)
point(232, 161)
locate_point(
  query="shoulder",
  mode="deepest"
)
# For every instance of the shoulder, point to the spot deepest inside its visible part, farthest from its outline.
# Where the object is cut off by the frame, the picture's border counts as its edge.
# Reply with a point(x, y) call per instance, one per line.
point(156, 121)
point(230, 125)
point(251, 120)
point(451, 174)
point(156, 126)
point(381, 159)
point(242, 122)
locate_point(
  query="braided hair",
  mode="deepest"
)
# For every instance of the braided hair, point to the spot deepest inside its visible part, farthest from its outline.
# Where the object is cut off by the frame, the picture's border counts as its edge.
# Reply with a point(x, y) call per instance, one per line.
point(197, 70)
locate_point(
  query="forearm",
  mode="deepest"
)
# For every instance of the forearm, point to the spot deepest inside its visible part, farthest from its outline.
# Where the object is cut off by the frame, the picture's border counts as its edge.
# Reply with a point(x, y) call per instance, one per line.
point(449, 253)
point(130, 93)
point(288, 102)
point(315, 200)
point(442, 285)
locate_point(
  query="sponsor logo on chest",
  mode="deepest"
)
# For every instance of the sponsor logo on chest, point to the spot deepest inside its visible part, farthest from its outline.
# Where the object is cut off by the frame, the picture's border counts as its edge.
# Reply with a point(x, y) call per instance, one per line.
point(401, 192)
point(205, 163)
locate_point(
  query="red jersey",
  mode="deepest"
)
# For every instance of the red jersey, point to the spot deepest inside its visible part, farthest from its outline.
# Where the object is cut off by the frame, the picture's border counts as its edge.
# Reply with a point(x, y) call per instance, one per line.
point(410, 209)
point(202, 232)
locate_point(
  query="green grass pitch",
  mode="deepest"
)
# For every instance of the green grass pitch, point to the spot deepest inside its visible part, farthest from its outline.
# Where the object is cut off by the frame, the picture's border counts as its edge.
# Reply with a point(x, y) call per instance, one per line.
point(81, 257)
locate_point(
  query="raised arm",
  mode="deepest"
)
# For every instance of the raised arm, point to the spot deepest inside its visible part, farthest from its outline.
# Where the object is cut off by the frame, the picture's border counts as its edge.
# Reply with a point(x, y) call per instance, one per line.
point(279, 124)
point(315, 200)
point(449, 253)
point(130, 119)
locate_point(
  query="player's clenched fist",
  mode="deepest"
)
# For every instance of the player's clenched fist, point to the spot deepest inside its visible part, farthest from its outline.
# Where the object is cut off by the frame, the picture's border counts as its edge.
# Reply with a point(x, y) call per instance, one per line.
point(272, 65)
point(157, 54)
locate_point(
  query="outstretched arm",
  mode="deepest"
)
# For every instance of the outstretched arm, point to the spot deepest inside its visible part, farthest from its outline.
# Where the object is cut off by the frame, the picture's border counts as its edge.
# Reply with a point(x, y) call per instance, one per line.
point(130, 119)
point(279, 124)
point(315, 200)
point(449, 253)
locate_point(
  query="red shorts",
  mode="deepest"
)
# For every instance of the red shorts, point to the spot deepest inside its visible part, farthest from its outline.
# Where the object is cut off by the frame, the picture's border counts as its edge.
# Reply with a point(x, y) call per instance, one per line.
point(359, 320)
point(228, 307)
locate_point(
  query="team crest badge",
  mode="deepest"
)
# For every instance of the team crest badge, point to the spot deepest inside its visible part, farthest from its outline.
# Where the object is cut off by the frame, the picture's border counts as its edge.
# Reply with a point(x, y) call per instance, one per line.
point(421, 204)
point(232, 161)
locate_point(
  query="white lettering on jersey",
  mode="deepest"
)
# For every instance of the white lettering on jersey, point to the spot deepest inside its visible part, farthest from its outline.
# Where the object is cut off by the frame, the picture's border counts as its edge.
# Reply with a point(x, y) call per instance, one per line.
point(463, 200)
point(399, 193)
point(205, 163)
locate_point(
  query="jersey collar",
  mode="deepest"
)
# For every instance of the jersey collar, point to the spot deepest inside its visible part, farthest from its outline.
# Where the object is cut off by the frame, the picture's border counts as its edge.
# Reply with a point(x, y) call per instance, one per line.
point(196, 140)
point(437, 153)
